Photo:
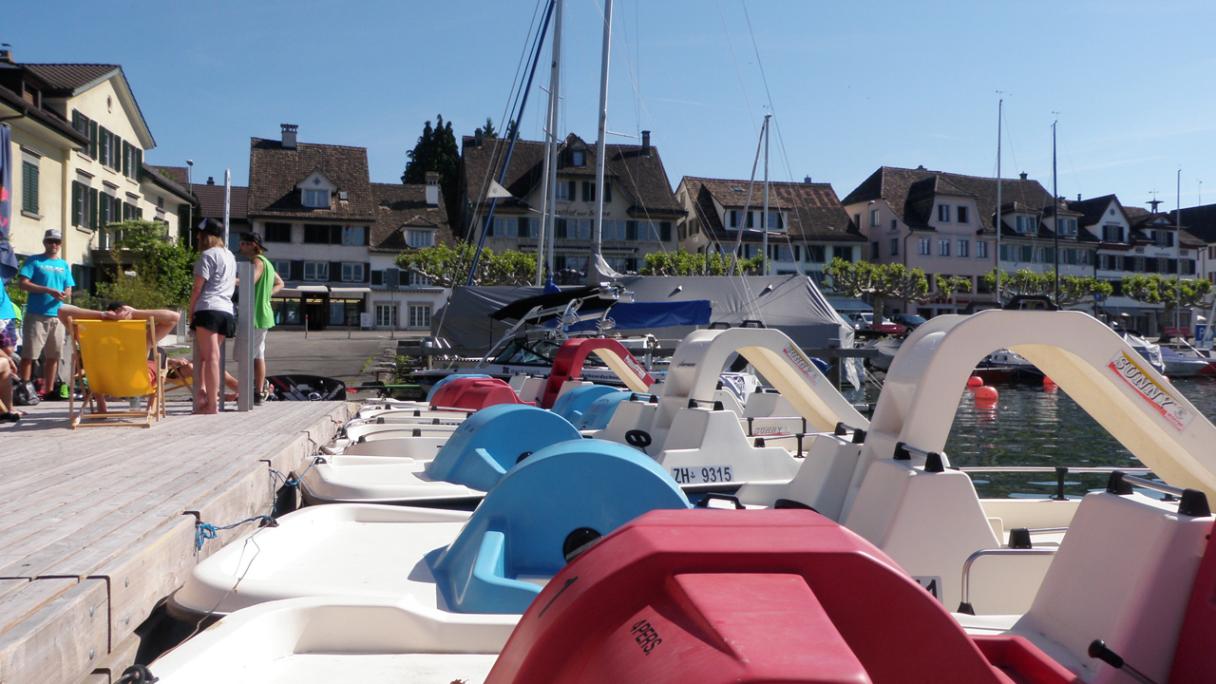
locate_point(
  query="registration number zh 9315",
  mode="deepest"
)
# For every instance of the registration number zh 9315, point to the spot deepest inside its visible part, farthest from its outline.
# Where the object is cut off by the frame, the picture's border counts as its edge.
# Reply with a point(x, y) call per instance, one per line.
point(702, 474)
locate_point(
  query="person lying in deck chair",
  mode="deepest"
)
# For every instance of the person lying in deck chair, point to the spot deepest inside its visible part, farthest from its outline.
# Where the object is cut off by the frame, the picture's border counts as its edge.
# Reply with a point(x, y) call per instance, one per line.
point(181, 372)
point(163, 321)
point(8, 371)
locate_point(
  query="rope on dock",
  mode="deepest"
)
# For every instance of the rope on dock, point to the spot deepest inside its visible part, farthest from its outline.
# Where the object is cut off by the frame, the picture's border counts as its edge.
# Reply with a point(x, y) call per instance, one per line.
point(204, 531)
point(293, 482)
point(136, 674)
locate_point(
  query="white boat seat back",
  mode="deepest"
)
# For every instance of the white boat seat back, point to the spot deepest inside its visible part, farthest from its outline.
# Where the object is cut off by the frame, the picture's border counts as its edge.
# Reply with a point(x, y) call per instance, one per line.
point(635, 414)
point(1123, 574)
point(701, 438)
point(823, 478)
point(531, 389)
point(929, 522)
point(517, 381)
point(569, 385)
point(729, 401)
point(768, 403)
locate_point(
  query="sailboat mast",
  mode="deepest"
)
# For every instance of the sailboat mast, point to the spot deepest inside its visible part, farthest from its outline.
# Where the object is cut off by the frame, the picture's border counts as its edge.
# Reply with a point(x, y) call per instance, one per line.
point(544, 203)
point(600, 161)
point(1055, 210)
point(764, 216)
point(545, 246)
point(1000, 105)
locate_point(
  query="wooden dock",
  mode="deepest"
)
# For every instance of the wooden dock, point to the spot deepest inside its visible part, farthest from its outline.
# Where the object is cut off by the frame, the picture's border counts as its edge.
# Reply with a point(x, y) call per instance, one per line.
point(97, 525)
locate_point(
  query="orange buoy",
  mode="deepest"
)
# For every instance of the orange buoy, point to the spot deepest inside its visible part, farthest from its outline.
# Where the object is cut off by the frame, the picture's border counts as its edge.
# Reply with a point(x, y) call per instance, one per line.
point(975, 381)
point(986, 394)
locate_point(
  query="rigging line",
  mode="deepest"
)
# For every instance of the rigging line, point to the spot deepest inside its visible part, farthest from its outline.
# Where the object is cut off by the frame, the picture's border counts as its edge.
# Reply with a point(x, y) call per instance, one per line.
point(747, 102)
point(633, 70)
point(780, 139)
point(510, 145)
point(513, 103)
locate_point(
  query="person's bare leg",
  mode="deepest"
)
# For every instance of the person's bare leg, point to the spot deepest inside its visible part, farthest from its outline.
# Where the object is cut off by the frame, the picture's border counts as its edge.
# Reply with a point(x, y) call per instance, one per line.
point(27, 368)
point(163, 319)
point(50, 371)
point(6, 385)
point(259, 375)
point(209, 376)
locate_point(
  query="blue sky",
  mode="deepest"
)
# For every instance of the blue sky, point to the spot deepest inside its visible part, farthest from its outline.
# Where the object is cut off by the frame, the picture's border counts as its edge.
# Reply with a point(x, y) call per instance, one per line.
point(854, 85)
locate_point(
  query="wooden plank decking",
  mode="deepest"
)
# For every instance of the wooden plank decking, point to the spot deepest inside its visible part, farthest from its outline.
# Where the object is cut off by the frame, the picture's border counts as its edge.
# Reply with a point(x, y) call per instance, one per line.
point(97, 525)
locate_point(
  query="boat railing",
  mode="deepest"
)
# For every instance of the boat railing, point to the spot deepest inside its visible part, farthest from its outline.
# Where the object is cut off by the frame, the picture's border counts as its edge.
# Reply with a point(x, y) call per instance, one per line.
point(965, 606)
point(1060, 472)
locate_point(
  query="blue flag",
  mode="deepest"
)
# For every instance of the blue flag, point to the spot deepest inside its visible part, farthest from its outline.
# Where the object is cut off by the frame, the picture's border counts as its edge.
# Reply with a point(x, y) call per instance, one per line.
point(8, 259)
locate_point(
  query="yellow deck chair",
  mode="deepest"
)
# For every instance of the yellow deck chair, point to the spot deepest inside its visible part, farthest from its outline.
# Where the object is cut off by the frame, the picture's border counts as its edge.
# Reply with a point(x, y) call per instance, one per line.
point(113, 359)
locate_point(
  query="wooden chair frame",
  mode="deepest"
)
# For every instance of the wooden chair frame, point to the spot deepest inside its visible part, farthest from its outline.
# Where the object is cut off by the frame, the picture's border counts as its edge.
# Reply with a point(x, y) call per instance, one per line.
point(87, 415)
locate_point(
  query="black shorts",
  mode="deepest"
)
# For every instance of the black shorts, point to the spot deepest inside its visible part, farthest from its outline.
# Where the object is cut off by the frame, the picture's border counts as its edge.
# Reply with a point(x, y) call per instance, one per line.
point(219, 322)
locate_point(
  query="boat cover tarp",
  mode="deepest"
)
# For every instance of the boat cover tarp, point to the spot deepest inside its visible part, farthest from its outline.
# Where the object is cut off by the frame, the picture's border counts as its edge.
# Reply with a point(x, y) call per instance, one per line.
point(651, 315)
point(790, 302)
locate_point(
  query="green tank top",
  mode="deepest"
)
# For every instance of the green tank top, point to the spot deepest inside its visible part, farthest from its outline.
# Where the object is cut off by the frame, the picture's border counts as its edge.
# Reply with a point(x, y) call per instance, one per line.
point(263, 315)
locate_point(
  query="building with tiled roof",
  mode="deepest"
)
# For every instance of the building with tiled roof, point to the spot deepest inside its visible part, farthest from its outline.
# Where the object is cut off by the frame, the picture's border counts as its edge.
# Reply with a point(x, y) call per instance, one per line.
point(945, 224)
point(807, 225)
point(211, 204)
point(330, 233)
point(640, 210)
point(80, 122)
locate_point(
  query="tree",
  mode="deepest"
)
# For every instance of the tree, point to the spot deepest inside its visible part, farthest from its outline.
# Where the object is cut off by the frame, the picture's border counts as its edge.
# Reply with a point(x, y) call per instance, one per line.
point(448, 265)
point(1077, 289)
point(951, 285)
point(683, 263)
point(436, 150)
point(161, 271)
point(1169, 292)
point(903, 284)
point(878, 282)
point(486, 131)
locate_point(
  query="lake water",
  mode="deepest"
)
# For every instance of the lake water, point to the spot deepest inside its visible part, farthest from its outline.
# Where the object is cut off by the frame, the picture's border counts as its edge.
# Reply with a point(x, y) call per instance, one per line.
point(1032, 426)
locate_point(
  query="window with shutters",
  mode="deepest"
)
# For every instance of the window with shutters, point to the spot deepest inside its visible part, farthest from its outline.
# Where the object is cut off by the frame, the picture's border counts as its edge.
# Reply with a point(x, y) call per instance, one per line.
point(607, 191)
point(278, 232)
point(962, 217)
point(588, 191)
point(923, 248)
point(943, 213)
point(29, 186)
point(816, 254)
point(943, 248)
point(665, 231)
point(316, 271)
point(565, 190)
point(421, 238)
point(93, 211)
point(420, 316)
point(386, 314)
point(981, 249)
point(352, 272)
point(964, 247)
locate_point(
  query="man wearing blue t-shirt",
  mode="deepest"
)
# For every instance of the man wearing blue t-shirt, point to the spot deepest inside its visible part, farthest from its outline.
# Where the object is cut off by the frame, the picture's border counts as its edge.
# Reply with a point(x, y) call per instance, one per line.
point(48, 279)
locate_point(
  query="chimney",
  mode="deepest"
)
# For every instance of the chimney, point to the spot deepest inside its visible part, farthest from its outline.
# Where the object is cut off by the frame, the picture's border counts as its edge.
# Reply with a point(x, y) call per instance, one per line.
point(807, 179)
point(210, 180)
point(6, 53)
point(432, 189)
point(646, 143)
point(1078, 197)
point(289, 135)
point(1022, 175)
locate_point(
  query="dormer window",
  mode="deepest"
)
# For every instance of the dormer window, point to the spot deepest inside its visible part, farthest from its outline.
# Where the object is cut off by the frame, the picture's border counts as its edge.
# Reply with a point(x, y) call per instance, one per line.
point(1024, 224)
point(316, 198)
point(578, 157)
point(1068, 226)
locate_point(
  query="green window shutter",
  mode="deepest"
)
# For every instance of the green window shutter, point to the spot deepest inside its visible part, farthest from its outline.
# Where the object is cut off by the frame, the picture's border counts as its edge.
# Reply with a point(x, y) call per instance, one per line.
point(94, 208)
point(29, 187)
point(93, 136)
point(126, 158)
point(77, 204)
point(139, 163)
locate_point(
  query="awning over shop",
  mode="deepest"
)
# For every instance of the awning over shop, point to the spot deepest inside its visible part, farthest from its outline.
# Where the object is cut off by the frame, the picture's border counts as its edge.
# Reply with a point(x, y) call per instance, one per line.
point(355, 292)
point(301, 290)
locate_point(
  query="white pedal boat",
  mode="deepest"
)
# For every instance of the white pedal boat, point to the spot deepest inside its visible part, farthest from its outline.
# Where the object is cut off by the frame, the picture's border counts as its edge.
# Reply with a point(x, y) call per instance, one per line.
point(898, 490)
point(471, 461)
point(492, 560)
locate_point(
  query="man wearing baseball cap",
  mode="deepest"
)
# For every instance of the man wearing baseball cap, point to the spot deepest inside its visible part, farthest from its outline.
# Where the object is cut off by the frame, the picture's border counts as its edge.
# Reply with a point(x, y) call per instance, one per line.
point(48, 279)
point(266, 282)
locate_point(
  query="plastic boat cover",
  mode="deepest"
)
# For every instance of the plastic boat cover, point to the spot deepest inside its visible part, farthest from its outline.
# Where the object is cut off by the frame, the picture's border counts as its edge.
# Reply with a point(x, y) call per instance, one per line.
point(650, 315)
point(790, 302)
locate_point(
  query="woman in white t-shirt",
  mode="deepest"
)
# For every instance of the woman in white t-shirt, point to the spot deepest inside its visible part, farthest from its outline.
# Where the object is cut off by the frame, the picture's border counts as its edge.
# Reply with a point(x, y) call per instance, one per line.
point(211, 316)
